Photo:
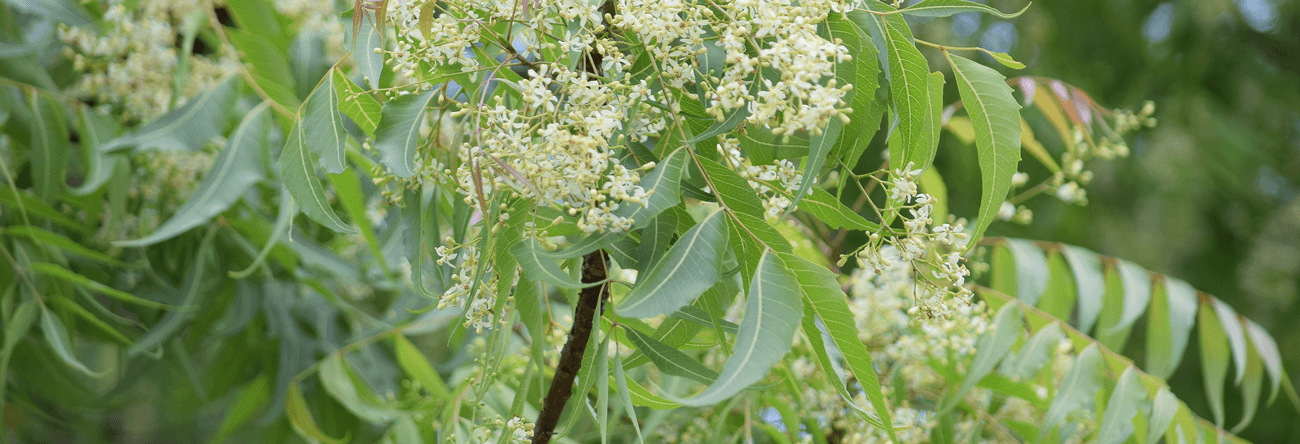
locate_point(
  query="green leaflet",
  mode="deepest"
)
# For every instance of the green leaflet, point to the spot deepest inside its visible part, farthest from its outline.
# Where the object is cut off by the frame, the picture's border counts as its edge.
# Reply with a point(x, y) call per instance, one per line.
point(418, 368)
point(1086, 268)
point(730, 189)
point(945, 8)
point(763, 148)
point(71, 277)
point(49, 149)
point(669, 360)
point(824, 298)
point(356, 103)
point(863, 71)
point(49, 238)
point(1033, 354)
point(1251, 386)
point(322, 126)
point(1137, 292)
point(772, 314)
point(1169, 325)
point(298, 172)
point(248, 402)
point(1062, 295)
point(1236, 336)
point(236, 169)
point(57, 336)
point(690, 268)
point(363, 44)
point(820, 147)
point(1031, 270)
point(664, 184)
point(620, 379)
point(909, 91)
point(340, 381)
point(186, 128)
point(1076, 390)
point(991, 348)
point(995, 116)
point(1214, 357)
point(655, 239)
point(175, 319)
point(270, 66)
point(538, 266)
point(1126, 401)
point(1164, 406)
point(398, 136)
point(1268, 351)
point(95, 129)
point(295, 407)
point(835, 214)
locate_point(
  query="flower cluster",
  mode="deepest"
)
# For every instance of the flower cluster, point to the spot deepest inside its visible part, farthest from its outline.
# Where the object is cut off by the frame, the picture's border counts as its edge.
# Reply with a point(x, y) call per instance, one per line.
point(130, 64)
point(461, 293)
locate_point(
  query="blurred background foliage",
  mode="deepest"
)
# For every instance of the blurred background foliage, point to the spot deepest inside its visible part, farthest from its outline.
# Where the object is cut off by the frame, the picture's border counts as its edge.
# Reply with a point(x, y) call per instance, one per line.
point(1210, 194)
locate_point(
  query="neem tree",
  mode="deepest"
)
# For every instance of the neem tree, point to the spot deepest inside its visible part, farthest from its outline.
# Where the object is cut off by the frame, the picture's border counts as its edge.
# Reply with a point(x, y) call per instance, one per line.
point(602, 220)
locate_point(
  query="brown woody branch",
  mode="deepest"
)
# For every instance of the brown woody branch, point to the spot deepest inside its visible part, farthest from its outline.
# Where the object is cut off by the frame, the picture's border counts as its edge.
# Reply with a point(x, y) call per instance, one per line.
point(595, 268)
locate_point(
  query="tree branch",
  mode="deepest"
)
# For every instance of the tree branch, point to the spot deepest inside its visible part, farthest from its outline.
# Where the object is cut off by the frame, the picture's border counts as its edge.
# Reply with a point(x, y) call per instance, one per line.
point(595, 267)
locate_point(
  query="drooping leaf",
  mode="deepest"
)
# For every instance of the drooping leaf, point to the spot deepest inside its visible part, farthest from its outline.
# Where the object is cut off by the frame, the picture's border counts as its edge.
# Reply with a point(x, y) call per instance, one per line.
point(363, 45)
point(1137, 292)
point(690, 268)
point(268, 65)
point(1031, 270)
point(94, 129)
point(398, 136)
point(828, 209)
point(772, 315)
point(669, 360)
point(356, 103)
point(1215, 357)
point(663, 182)
point(337, 378)
point(1086, 268)
point(1251, 386)
point(1062, 293)
point(1268, 352)
point(1163, 408)
point(1076, 390)
point(418, 368)
point(49, 238)
point(1236, 336)
point(1034, 353)
point(620, 379)
point(819, 147)
point(945, 8)
point(868, 99)
point(295, 407)
point(71, 277)
point(1126, 401)
point(824, 298)
point(250, 399)
point(1169, 326)
point(56, 335)
point(991, 348)
point(50, 148)
point(172, 322)
point(236, 169)
point(298, 172)
point(189, 127)
point(995, 116)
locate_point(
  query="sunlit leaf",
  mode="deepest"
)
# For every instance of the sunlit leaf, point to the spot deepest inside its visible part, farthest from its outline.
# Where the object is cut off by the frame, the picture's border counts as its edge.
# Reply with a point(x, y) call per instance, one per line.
point(236, 169)
point(907, 71)
point(1173, 312)
point(995, 115)
point(945, 8)
point(418, 368)
point(690, 267)
point(772, 314)
point(356, 103)
point(663, 183)
point(538, 266)
point(1137, 292)
point(1163, 408)
point(824, 298)
point(1031, 270)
